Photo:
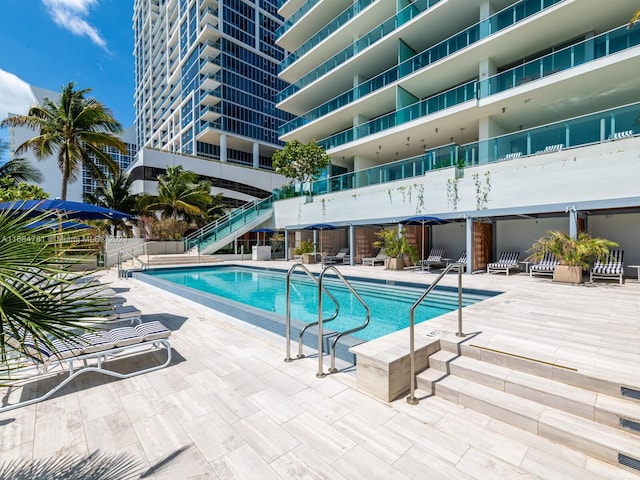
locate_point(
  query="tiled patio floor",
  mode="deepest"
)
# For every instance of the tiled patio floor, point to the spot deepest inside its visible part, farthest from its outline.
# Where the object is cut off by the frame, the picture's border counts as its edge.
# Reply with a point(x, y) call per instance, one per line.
point(238, 411)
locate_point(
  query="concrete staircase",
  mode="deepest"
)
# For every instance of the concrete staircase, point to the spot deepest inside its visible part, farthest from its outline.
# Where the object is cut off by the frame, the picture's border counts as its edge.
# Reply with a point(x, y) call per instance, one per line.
point(588, 414)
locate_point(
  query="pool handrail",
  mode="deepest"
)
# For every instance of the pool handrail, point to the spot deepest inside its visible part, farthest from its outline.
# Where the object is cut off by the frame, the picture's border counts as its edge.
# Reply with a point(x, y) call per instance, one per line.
point(411, 399)
point(294, 267)
point(321, 373)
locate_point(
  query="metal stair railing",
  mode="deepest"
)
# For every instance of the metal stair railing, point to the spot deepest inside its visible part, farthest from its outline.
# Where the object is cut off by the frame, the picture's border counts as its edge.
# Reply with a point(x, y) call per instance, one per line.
point(121, 253)
point(288, 311)
point(338, 335)
point(228, 224)
point(411, 399)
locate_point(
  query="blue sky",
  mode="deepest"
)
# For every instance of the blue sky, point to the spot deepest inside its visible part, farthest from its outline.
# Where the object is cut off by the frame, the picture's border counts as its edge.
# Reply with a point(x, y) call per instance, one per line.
point(49, 43)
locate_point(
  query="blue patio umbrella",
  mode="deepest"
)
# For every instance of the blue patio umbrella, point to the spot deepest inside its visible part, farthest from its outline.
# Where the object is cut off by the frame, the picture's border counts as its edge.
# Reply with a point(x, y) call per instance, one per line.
point(64, 209)
point(423, 220)
point(320, 227)
point(52, 225)
point(260, 230)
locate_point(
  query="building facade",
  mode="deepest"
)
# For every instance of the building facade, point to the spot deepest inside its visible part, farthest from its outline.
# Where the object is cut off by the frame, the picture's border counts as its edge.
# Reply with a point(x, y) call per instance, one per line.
point(206, 79)
point(507, 118)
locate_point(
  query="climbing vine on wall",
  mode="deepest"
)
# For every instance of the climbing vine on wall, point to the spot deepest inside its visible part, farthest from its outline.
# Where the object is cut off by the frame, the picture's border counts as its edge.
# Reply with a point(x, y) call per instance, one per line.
point(452, 193)
point(482, 190)
point(419, 197)
point(323, 209)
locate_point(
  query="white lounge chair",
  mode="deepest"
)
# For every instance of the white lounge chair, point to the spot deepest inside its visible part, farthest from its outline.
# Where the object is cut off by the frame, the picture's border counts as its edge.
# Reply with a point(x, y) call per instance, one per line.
point(378, 259)
point(433, 260)
point(87, 354)
point(508, 261)
point(546, 266)
point(612, 267)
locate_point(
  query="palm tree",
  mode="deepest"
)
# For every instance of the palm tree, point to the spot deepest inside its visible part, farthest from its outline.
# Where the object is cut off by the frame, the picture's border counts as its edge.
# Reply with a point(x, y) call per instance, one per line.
point(18, 169)
point(74, 128)
point(39, 295)
point(115, 194)
point(180, 196)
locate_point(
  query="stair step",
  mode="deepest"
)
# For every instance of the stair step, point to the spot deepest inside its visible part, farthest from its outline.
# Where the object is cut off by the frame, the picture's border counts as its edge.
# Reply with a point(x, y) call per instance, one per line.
point(600, 441)
point(578, 401)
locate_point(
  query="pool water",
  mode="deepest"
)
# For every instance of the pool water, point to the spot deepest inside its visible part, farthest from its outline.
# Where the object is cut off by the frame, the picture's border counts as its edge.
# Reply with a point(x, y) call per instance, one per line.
point(266, 290)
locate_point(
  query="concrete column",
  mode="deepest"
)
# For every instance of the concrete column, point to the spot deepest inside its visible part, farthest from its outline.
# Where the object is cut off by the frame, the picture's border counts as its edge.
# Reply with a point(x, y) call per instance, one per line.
point(223, 148)
point(352, 242)
point(286, 245)
point(469, 247)
point(256, 155)
point(573, 221)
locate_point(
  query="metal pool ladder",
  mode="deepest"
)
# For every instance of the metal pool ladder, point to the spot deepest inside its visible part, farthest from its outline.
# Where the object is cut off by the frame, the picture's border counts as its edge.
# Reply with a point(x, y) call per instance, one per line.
point(411, 399)
point(288, 314)
point(338, 335)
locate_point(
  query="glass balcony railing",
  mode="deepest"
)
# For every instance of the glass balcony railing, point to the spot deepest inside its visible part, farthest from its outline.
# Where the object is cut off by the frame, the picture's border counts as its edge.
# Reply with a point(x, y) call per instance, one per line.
point(295, 17)
point(576, 132)
point(325, 32)
point(589, 50)
point(430, 105)
point(495, 23)
point(228, 224)
point(594, 48)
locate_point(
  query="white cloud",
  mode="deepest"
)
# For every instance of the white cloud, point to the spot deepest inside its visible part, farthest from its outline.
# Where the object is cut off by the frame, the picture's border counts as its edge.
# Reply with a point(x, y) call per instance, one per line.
point(15, 95)
point(72, 14)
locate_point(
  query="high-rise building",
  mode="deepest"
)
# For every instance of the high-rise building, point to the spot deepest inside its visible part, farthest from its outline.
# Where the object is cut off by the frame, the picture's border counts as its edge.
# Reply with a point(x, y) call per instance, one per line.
point(512, 116)
point(206, 81)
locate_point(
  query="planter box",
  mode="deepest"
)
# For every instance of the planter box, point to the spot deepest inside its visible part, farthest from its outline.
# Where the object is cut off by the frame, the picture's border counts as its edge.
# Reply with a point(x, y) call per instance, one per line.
point(567, 274)
point(308, 258)
point(394, 263)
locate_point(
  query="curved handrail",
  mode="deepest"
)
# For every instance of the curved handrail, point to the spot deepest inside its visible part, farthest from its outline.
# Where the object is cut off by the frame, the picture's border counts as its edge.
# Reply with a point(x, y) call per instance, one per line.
point(412, 354)
point(333, 369)
point(288, 314)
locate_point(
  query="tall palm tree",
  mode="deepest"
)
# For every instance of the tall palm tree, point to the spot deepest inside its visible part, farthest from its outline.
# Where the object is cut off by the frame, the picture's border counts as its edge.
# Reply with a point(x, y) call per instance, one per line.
point(180, 195)
point(76, 129)
point(115, 194)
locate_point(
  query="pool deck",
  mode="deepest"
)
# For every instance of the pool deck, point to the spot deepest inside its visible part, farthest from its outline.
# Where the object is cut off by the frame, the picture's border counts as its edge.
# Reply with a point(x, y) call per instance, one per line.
point(229, 407)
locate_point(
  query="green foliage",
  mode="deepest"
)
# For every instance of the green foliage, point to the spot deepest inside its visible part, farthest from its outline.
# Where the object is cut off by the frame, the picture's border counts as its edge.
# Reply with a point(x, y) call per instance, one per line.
point(39, 292)
point(180, 196)
point(306, 246)
point(10, 191)
point(20, 170)
point(75, 129)
point(395, 244)
point(115, 194)
point(578, 252)
point(300, 161)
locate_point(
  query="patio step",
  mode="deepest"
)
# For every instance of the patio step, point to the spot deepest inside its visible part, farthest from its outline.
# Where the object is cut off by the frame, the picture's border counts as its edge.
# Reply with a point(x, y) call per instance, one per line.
point(604, 426)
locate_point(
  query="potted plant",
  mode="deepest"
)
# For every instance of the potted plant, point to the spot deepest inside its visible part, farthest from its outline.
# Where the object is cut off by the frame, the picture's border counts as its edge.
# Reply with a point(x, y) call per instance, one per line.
point(396, 247)
point(574, 254)
point(306, 249)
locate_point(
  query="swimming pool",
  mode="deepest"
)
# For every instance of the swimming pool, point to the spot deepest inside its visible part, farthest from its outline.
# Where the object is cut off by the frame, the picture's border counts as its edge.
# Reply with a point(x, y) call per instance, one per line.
point(265, 290)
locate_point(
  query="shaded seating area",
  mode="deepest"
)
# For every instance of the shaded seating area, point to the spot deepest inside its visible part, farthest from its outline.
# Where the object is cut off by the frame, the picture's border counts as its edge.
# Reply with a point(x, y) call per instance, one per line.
point(612, 267)
point(508, 261)
point(546, 266)
point(87, 353)
point(341, 257)
point(434, 259)
point(379, 259)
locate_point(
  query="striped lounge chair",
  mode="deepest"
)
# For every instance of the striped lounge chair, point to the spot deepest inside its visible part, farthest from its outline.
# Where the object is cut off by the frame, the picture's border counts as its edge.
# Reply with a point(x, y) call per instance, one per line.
point(433, 260)
point(462, 258)
point(88, 353)
point(508, 261)
point(546, 266)
point(612, 267)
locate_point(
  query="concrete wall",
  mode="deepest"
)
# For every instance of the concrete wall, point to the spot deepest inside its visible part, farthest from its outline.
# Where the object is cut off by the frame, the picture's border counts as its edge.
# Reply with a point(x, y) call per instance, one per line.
point(262, 179)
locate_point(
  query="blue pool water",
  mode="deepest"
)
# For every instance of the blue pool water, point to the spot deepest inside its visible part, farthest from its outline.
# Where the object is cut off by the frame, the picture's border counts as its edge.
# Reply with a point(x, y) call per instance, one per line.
point(266, 290)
